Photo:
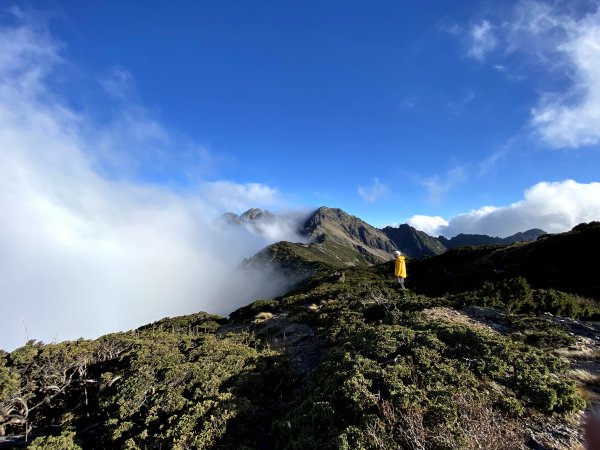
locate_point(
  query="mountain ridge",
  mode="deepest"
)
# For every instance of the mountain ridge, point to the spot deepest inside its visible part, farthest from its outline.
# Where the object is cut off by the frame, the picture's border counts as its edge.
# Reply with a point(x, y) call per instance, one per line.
point(464, 239)
point(340, 240)
point(414, 243)
point(375, 242)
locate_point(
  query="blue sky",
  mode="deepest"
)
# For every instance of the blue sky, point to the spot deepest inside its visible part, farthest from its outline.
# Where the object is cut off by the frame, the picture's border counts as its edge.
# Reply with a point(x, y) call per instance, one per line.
point(402, 101)
point(126, 130)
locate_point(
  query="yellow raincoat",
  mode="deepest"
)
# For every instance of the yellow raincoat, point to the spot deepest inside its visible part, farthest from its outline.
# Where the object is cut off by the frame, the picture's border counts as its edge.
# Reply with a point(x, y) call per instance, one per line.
point(400, 270)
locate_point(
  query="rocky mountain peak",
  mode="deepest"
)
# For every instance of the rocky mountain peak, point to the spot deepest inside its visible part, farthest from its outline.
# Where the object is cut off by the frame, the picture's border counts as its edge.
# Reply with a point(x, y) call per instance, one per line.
point(337, 226)
point(250, 216)
point(413, 242)
point(341, 239)
point(324, 218)
point(254, 214)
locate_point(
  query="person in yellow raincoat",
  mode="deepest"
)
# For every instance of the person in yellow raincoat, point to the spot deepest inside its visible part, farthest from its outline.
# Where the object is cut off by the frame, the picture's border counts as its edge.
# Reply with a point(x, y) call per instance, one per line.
point(400, 270)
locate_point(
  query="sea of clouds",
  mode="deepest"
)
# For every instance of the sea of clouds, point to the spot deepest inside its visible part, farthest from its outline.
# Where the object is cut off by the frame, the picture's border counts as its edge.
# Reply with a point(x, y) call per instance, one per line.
point(554, 207)
point(86, 247)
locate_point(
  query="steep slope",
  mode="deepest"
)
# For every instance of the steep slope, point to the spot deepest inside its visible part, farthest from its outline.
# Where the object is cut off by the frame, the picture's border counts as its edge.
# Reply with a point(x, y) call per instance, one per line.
point(336, 240)
point(413, 242)
point(334, 228)
point(461, 240)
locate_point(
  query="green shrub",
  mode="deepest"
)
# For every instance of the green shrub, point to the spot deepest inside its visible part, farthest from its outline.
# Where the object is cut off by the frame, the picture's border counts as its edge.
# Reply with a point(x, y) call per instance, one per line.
point(388, 377)
point(517, 296)
point(541, 332)
point(65, 441)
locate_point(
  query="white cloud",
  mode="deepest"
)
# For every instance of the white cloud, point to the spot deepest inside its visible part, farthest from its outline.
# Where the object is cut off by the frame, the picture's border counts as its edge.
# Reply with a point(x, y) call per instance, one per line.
point(429, 224)
point(502, 153)
point(240, 197)
point(83, 253)
point(552, 206)
point(562, 44)
point(280, 227)
point(572, 119)
point(481, 40)
point(371, 194)
point(280, 230)
point(438, 187)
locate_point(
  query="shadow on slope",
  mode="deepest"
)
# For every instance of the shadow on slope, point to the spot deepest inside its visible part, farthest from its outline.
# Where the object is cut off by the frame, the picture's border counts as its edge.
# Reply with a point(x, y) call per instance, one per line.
point(567, 262)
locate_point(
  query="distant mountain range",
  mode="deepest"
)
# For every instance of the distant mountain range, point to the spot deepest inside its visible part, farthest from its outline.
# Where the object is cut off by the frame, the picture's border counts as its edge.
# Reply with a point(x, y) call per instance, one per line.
point(341, 239)
point(462, 240)
point(333, 238)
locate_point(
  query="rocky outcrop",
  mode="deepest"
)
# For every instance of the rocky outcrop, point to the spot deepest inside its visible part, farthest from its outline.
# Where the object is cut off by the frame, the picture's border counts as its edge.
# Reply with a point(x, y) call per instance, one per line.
point(339, 227)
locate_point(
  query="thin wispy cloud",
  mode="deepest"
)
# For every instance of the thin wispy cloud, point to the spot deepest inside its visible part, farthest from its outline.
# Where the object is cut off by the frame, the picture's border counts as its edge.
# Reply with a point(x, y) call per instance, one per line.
point(459, 106)
point(492, 161)
point(552, 206)
point(374, 192)
point(450, 28)
point(409, 102)
point(87, 248)
point(439, 186)
point(500, 156)
point(482, 40)
point(562, 43)
point(119, 83)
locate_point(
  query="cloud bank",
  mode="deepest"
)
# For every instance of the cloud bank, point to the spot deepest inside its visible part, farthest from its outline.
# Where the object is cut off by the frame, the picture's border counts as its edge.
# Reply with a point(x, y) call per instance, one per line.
point(552, 206)
point(87, 248)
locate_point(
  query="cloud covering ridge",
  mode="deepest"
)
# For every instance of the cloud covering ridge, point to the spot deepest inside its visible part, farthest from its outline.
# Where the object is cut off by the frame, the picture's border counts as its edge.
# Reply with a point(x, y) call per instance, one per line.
point(85, 251)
